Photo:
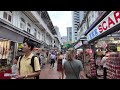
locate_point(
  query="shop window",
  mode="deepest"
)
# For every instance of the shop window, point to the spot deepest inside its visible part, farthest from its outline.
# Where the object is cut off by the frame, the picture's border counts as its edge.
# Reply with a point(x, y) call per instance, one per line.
point(7, 15)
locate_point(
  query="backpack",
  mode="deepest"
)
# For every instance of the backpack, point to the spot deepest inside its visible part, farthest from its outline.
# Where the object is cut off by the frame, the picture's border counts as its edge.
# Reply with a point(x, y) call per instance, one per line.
point(32, 64)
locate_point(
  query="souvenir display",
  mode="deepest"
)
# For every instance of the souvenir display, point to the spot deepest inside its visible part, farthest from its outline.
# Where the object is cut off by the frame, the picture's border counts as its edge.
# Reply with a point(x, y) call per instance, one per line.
point(113, 67)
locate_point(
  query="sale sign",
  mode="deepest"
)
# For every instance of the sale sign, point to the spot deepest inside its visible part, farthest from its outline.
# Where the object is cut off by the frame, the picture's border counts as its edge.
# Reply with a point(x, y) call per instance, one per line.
point(110, 21)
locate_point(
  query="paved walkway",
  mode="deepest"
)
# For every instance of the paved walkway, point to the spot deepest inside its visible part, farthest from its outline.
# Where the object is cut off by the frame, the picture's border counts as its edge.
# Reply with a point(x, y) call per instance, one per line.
point(49, 73)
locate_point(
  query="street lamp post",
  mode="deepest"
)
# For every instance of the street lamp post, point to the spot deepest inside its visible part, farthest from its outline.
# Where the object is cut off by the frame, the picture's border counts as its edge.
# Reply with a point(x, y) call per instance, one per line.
point(85, 43)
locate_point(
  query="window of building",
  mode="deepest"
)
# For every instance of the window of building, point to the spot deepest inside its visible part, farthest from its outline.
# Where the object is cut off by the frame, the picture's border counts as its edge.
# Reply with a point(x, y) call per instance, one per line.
point(38, 34)
point(7, 15)
point(35, 32)
point(22, 23)
point(9, 18)
point(93, 14)
point(89, 21)
point(28, 28)
point(42, 37)
point(75, 38)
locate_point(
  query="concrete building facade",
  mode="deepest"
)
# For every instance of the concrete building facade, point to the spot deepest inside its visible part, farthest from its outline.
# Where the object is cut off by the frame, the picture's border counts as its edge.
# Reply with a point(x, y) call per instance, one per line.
point(57, 42)
point(69, 35)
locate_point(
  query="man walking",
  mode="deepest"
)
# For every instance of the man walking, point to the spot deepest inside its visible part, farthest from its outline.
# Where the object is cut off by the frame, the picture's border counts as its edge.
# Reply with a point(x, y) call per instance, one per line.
point(25, 69)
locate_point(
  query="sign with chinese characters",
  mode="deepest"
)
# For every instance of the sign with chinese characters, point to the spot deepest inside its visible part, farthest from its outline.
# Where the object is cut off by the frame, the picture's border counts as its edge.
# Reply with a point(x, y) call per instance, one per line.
point(111, 20)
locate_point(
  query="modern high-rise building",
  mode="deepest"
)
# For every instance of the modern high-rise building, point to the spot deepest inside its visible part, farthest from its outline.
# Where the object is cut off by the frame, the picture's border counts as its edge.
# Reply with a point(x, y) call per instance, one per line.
point(64, 39)
point(75, 23)
point(69, 34)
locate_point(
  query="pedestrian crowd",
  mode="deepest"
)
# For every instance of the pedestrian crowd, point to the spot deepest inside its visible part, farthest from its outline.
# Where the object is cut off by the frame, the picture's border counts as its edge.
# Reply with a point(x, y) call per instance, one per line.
point(70, 64)
point(30, 63)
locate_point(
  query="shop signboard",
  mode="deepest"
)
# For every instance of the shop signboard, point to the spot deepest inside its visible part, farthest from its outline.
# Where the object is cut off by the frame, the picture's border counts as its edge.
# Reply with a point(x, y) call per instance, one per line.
point(78, 44)
point(111, 20)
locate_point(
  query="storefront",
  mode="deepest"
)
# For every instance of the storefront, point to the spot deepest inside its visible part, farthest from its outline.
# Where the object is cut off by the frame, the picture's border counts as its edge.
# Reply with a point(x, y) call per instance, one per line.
point(8, 45)
point(106, 33)
point(11, 42)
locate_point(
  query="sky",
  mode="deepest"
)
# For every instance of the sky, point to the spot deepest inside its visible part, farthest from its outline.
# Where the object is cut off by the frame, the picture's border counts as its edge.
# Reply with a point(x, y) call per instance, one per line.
point(62, 19)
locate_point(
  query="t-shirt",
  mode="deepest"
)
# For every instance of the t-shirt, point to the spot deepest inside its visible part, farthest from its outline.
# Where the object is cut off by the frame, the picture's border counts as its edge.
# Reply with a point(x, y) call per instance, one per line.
point(53, 56)
point(77, 66)
point(26, 68)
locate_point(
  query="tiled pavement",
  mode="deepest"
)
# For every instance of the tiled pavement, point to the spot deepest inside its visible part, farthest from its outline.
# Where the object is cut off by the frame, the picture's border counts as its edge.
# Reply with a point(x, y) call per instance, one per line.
point(49, 73)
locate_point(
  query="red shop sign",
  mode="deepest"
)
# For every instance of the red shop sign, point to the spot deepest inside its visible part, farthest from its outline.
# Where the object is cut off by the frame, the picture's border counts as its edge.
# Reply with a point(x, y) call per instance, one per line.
point(110, 21)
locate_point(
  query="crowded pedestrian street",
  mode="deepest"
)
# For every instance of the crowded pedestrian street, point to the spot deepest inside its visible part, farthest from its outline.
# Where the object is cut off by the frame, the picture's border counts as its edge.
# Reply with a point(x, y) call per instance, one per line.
point(59, 44)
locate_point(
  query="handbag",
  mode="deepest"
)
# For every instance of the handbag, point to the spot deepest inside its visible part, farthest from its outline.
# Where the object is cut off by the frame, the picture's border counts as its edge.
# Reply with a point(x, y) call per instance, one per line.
point(73, 70)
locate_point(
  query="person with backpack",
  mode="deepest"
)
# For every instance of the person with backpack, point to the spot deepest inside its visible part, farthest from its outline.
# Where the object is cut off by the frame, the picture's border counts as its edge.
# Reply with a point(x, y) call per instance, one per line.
point(28, 65)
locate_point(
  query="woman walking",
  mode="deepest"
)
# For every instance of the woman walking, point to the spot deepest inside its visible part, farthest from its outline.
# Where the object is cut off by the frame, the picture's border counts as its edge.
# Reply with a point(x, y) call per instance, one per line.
point(60, 57)
point(73, 68)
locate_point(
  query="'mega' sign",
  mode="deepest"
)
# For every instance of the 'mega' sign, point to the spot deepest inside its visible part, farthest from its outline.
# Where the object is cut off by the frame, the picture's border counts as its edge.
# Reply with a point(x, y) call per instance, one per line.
point(111, 20)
